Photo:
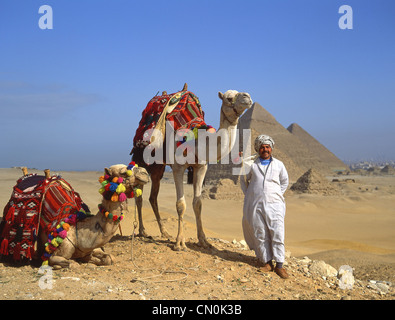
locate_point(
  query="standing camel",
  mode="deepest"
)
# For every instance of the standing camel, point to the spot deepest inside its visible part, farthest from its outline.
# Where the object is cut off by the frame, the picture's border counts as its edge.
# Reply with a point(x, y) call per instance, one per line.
point(233, 105)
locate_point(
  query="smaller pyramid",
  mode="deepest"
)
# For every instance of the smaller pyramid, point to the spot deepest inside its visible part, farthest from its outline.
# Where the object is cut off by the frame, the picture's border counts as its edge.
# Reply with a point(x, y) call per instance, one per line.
point(223, 189)
point(388, 170)
point(313, 182)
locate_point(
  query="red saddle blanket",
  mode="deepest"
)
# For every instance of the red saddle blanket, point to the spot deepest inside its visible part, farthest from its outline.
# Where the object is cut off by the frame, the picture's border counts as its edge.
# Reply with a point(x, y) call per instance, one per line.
point(36, 202)
point(187, 114)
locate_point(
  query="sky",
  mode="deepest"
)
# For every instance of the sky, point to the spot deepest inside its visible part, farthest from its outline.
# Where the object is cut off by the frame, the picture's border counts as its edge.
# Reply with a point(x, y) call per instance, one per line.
point(71, 97)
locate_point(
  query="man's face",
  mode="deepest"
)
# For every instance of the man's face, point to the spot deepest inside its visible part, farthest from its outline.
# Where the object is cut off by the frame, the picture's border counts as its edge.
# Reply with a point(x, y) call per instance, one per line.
point(265, 151)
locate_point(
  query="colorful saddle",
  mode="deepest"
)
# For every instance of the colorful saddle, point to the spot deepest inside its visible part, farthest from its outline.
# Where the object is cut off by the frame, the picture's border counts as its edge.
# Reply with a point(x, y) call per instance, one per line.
point(183, 111)
point(36, 202)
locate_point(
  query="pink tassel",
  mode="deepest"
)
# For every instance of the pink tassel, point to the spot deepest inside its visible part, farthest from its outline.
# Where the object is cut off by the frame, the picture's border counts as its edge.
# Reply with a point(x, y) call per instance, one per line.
point(122, 197)
point(72, 219)
point(63, 234)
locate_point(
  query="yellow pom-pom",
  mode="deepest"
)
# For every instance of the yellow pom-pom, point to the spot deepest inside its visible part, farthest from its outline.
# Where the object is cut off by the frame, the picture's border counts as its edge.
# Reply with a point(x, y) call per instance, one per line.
point(101, 190)
point(45, 263)
point(121, 188)
point(54, 243)
point(138, 192)
point(136, 166)
point(129, 172)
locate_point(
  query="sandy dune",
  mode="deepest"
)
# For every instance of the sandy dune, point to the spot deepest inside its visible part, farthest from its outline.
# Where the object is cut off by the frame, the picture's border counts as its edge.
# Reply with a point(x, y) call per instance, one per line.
point(356, 227)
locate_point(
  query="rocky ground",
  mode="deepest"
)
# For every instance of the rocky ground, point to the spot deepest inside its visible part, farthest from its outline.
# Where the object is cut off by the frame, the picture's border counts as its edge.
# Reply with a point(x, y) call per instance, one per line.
point(148, 269)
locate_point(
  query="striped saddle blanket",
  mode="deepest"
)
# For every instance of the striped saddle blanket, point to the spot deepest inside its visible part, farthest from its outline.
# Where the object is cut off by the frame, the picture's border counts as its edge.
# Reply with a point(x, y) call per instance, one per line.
point(183, 111)
point(36, 202)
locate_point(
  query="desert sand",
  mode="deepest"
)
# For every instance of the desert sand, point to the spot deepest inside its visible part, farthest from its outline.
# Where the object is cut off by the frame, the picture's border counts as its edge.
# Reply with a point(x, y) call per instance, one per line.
point(354, 227)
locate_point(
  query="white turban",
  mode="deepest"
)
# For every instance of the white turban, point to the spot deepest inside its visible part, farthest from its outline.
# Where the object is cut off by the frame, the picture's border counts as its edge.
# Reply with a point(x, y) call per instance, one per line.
point(263, 139)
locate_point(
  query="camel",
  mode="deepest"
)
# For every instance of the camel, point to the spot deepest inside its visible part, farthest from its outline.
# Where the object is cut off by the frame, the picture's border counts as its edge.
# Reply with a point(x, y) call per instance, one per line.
point(86, 238)
point(234, 103)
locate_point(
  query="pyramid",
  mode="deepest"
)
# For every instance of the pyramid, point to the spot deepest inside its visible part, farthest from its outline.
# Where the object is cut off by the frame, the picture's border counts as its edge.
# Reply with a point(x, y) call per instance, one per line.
point(223, 189)
point(326, 156)
point(313, 182)
point(297, 155)
point(388, 170)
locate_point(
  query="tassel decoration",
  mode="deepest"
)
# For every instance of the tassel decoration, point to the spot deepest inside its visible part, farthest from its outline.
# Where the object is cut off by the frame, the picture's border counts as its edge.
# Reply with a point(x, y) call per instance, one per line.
point(122, 197)
point(4, 247)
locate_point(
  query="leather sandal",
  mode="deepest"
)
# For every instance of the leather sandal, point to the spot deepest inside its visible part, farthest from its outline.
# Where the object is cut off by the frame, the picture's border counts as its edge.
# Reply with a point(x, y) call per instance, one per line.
point(281, 272)
point(266, 268)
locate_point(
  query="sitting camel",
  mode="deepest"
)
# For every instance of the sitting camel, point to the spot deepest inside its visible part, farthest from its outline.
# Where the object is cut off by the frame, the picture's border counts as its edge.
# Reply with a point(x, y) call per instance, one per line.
point(73, 233)
point(85, 239)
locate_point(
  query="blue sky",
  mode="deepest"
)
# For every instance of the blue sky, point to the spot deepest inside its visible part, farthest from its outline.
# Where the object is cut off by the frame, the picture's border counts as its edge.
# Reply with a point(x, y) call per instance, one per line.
point(71, 97)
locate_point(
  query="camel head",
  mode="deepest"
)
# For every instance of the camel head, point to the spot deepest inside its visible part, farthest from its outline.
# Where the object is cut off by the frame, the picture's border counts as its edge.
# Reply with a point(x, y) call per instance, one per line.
point(233, 104)
point(132, 177)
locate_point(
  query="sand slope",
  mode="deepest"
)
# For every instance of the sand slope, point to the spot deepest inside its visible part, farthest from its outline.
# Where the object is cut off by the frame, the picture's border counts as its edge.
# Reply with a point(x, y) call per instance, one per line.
point(355, 228)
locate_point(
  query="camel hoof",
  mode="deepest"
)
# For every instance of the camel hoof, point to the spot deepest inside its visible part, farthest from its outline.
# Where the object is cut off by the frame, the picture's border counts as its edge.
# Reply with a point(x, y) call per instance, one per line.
point(109, 260)
point(142, 234)
point(165, 235)
point(180, 248)
point(205, 244)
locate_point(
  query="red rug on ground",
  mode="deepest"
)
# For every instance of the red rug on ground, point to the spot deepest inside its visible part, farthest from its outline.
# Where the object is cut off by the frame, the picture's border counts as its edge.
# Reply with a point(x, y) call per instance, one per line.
point(54, 198)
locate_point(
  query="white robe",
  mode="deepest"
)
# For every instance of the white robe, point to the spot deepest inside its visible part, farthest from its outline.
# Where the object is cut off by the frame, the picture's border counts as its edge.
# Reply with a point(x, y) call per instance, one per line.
point(264, 208)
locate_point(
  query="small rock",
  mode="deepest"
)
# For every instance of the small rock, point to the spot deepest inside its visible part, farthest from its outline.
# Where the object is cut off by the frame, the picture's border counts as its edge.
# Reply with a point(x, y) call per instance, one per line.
point(323, 269)
point(243, 244)
point(382, 287)
point(346, 278)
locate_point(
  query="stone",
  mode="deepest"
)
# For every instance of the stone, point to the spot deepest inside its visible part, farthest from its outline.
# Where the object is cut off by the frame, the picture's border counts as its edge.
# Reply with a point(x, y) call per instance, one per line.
point(322, 269)
point(346, 278)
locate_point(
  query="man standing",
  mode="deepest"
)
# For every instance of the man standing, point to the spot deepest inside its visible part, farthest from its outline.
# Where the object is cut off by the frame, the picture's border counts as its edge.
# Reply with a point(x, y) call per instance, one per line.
point(264, 185)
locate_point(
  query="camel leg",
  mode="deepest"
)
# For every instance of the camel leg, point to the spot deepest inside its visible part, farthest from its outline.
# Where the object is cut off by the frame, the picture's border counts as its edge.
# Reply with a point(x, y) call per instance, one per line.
point(139, 205)
point(99, 258)
point(178, 174)
point(59, 262)
point(199, 172)
point(156, 176)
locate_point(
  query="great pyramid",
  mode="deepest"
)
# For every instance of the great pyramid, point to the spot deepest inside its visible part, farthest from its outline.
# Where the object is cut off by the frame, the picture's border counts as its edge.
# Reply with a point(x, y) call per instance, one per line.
point(297, 155)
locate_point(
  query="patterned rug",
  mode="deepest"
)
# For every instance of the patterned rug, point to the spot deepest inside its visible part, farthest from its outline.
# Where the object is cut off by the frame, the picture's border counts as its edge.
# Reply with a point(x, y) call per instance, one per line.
point(183, 111)
point(33, 194)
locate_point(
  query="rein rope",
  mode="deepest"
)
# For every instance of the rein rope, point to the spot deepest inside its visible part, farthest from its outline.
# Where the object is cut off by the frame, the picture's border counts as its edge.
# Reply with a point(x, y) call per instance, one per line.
point(163, 272)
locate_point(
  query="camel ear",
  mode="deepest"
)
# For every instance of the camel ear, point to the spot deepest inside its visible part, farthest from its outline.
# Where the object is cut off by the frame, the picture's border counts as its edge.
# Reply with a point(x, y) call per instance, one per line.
point(107, 171)
point(122, 170)
point(220, 95)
